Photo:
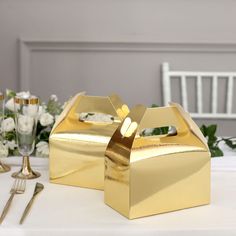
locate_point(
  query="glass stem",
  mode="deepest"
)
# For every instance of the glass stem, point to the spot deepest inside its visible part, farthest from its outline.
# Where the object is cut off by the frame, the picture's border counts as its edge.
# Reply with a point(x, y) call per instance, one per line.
point(26, 168)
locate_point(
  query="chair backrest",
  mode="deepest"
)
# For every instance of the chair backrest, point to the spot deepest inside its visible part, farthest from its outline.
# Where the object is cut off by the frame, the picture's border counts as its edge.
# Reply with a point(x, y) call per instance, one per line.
point(167, 75)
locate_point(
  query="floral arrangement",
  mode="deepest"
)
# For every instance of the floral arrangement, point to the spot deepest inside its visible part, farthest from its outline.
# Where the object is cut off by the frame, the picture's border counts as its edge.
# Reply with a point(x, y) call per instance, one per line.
point(47, 114)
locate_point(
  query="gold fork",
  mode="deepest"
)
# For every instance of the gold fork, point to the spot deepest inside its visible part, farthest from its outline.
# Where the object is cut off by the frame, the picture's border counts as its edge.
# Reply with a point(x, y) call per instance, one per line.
point(17, 188)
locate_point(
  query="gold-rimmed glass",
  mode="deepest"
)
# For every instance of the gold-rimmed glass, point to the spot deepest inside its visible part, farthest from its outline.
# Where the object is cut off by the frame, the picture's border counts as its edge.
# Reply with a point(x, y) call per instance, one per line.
point(26, 118)
point(3, 167)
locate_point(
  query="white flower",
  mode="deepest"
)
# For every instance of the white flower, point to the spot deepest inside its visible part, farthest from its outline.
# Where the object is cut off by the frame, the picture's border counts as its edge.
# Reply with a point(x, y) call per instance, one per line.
point(3, 150)
point(8, 125)
point(23, 94)
point(42, 149)
point(11, 144)
point(54, 98)
point(25, 124)
point(10, 104)
point(42, 110)
point(96, 117)
point(56, 117)
point(148, 131)
point(46, 119)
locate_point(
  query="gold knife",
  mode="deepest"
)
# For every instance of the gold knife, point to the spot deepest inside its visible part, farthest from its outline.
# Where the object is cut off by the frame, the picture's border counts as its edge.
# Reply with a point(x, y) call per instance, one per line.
point(38, 188)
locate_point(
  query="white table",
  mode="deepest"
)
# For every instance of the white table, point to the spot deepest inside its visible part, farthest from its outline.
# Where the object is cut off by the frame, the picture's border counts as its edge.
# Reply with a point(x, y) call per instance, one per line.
point(62, 210)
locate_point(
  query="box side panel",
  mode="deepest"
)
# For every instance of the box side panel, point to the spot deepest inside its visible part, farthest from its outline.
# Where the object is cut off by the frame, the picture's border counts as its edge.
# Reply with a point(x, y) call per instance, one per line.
point(77, 163)
point(116, 186)
point(168, 183)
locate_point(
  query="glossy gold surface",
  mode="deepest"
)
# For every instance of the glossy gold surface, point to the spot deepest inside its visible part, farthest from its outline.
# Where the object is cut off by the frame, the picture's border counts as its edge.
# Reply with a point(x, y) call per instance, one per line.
point(26, 100)
point(76, 147)
point(26, 171)
point(156, 174)
point(4, 168)
point(17, 188)
point(38, 189)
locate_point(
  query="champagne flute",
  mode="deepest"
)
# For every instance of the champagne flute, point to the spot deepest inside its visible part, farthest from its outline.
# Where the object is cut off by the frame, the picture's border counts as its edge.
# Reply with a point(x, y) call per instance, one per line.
point(26, 118)
point(3, 167)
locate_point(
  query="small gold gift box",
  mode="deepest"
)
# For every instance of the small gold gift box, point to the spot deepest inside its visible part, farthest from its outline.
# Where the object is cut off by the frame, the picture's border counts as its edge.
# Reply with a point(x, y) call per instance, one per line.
point(77, 145)
point(146, 175)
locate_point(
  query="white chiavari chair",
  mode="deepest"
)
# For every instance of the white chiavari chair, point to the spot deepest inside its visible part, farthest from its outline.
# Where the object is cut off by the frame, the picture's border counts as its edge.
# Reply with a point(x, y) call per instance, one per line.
point(168, 75)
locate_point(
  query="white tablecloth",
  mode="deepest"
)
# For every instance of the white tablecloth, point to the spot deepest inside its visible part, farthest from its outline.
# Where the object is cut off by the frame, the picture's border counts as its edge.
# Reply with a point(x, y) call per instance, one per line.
point(63, 210)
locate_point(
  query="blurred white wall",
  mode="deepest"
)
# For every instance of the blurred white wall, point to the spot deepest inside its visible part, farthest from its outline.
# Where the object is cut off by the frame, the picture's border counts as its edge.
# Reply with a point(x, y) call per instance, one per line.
point(105, 46)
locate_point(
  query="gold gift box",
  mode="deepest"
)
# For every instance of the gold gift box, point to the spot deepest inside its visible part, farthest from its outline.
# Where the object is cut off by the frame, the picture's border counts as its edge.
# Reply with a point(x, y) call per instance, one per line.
point(77, 146)
point(156, 174)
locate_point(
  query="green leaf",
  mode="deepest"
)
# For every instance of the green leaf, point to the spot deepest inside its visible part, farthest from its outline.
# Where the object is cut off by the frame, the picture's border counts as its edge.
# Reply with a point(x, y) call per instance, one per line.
point(10, 93)
point(216, 152)
point(230, 143)
point(44, 136)
point(54, 107)
point(164, 130)
point(211, 130)
point(212, 140)
point(210, 133)
point(16, 152)
point(9, 113)
point(154, 105)
point(160, 131)
point(10, 136)
point(156, 131)
point(203, 128)
point(39, 128)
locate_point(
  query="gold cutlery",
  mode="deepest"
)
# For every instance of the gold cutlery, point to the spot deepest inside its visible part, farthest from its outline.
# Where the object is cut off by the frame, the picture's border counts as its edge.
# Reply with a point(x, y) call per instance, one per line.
point(38, 188)
point(17, 188)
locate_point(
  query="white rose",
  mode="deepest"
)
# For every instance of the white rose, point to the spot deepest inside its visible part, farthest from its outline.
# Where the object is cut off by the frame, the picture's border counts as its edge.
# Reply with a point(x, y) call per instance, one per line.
point(42, 110)
point(3, 150)
point(54, 98)
point(46, 119)
point(10, 104)
point(56, 117)
point(148, 131)
point(23, 94)
point(25, 124)
point(97, 117)
point(8, 125)
point(11, 144)
point(42, 149)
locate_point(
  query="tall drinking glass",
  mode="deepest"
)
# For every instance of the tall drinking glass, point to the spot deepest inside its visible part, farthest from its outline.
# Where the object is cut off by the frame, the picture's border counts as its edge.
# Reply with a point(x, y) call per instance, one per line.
point(26, 118)
point(3, 168)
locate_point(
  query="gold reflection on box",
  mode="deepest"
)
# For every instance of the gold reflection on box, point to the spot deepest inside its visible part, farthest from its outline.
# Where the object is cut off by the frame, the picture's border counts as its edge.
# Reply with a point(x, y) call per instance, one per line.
point(77, 146)
point(156, 174)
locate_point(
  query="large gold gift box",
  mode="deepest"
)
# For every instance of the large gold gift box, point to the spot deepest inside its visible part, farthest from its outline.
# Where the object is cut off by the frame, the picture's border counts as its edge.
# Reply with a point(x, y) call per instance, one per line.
point(146, 175)
point(77, 146)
